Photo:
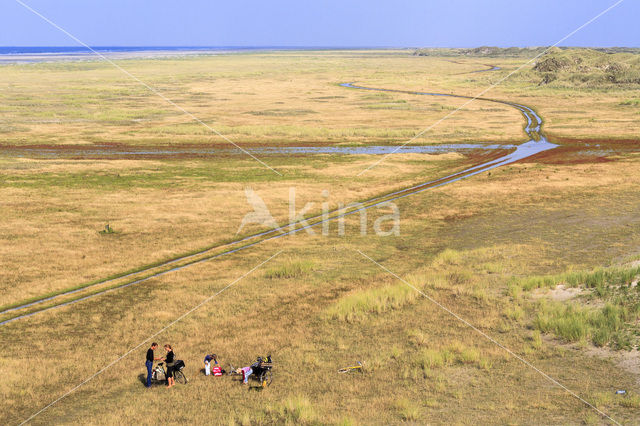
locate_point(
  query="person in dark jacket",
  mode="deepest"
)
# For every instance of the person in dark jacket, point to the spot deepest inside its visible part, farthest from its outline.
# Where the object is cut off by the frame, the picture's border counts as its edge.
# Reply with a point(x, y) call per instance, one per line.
point(170, 362)
point(149, 362)
point(207, 363)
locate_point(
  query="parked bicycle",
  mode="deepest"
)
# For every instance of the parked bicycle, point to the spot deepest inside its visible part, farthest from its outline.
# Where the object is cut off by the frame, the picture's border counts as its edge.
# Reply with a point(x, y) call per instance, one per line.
point(160, 374)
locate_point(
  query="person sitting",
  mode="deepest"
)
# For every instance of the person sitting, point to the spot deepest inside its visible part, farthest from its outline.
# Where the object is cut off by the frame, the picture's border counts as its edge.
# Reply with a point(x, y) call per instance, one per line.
point(246, 372)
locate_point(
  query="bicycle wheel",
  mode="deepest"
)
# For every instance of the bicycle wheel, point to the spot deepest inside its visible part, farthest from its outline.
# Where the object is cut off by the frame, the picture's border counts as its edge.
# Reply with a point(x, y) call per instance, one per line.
point(266, 378)
point(180, 377)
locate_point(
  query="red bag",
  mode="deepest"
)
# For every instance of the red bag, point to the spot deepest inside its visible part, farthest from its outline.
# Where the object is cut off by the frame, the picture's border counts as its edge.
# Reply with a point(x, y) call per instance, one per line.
point(216, 370)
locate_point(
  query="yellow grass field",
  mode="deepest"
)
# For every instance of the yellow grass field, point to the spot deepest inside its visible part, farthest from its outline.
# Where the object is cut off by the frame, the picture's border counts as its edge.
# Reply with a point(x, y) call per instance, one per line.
point(540, 255)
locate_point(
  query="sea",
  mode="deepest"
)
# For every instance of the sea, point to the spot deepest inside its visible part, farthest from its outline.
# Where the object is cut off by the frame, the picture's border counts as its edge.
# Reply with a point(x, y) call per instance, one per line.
point(35, 50)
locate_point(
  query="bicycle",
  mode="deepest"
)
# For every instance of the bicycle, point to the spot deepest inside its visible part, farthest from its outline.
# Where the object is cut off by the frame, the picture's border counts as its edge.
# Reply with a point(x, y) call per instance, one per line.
point(178, 374)
point(264, 375)
point(359, 367)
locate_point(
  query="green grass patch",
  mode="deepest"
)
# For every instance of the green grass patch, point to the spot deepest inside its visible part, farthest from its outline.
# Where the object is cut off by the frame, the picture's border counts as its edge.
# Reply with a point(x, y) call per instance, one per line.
point(447, 257)
point(597, 279)
point(172, 174)
point(291, 269)
point(408, 410)
point(294, 410)
point(282, 112)
point(631, 102)
point(573, 323)
point(610, 323)
point(358, 305)
point(515, 313)
point(455, 354)
point(389, 105)
point(108, 230)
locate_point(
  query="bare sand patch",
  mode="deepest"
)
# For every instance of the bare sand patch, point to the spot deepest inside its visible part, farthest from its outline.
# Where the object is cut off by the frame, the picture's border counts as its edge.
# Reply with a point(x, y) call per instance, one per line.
point(560, 294)
point(629, 361)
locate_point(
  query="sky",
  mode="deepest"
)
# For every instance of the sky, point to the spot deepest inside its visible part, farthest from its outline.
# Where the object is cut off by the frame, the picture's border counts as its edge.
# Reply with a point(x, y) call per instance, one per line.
point(321, 23)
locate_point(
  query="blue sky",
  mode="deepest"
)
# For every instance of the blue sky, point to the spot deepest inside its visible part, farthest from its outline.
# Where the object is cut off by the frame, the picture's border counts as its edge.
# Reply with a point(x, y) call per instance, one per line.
point(401, 23)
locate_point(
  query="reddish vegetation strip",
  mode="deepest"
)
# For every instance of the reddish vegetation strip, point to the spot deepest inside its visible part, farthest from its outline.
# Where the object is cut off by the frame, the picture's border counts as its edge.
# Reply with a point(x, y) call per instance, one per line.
point(568, 155)
point(581, 151)
point(483, 156)
point(607, 142)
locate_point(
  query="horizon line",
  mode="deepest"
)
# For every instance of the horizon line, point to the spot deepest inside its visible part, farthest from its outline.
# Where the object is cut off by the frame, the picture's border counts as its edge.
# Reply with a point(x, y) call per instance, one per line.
point(312, 46)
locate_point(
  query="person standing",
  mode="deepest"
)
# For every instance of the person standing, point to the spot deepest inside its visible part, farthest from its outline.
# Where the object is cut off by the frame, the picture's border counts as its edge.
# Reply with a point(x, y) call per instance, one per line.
point(170, 362)
point(149, 362)
point(207, 363)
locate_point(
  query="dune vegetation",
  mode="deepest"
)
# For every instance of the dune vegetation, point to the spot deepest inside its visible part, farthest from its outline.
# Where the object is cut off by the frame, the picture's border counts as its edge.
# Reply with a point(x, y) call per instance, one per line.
point(588, 68)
